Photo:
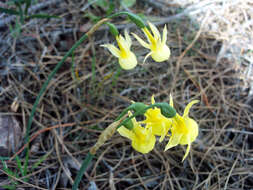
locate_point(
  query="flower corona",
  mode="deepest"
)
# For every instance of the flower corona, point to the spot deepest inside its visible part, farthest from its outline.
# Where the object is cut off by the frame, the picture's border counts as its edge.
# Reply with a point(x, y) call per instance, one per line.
point(159, 50)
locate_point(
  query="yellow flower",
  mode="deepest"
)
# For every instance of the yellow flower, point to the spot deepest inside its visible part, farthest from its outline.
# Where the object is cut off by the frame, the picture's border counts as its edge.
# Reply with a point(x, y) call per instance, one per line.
point(142, 138)
point(154, 119)
point(159, 50)
point(127, 59)
point(184, 129)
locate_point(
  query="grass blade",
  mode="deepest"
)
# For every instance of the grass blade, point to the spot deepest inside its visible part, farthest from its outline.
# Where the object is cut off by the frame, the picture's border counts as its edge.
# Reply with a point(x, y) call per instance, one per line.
point(41, 92)
point(20, 166)
point(83, 168)
point(44, 86)
point(9, 11)
point(43, 16)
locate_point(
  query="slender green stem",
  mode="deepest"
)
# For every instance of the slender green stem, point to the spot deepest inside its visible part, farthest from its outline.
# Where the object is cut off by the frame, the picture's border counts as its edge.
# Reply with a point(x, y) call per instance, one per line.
point(41, 92)
point(84, 166)
point(44, 86)
point(89, 156)
point(133, 17)
point(118, 14)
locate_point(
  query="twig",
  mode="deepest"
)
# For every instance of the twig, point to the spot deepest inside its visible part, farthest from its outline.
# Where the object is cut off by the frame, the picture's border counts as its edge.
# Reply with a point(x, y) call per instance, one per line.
point(37, 134)
point(21, 181)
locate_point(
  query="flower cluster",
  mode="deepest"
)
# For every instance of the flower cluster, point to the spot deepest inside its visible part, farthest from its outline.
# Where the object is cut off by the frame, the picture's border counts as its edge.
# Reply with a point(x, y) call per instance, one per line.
point(159, 51)
point(181, 130)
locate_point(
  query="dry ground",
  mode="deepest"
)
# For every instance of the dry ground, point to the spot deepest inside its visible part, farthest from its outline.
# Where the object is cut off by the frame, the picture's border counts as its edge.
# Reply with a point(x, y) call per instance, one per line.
point(221, 157)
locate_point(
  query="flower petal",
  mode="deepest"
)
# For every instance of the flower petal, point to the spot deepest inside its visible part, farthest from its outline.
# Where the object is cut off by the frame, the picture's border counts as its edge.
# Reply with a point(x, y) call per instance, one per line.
point(122, 43)
point(125, 132)
point(128, 39)
point(144, 146)
point(174, 141)
point(151, 39)
point(163, 135)
point(171, 101)
point(187, 152)
point(115, 51)
point(153, 99)
point(147, 56)
point(165, 32)
point(155, 31)
point(188, 107)
point(144, 44)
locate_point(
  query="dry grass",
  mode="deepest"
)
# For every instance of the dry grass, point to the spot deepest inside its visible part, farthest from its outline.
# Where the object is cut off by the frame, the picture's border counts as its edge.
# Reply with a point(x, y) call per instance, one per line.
point(221, 158)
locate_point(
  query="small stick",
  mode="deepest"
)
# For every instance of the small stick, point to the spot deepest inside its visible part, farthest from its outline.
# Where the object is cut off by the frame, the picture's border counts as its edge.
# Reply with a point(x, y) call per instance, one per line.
point(37, 134)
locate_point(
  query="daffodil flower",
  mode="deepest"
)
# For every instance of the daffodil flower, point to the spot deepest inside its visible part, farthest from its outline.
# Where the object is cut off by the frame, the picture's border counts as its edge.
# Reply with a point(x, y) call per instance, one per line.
point(159, 50)
point(184, 129)
point(154, 119)
point(127, 59)
point(142, 138)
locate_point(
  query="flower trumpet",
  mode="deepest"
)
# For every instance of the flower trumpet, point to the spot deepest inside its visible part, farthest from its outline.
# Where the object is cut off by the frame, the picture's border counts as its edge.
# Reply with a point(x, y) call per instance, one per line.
point(142, 138)
point(184, 129)
point(127, 58)
point(154, 119)
point(159, 50)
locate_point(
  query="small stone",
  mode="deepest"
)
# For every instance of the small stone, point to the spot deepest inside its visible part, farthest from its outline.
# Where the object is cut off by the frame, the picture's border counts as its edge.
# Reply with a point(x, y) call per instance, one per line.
point(10, 135)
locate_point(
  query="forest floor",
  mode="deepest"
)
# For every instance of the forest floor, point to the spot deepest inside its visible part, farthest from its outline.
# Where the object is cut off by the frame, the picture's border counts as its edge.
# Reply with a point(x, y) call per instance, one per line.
point(211, 61)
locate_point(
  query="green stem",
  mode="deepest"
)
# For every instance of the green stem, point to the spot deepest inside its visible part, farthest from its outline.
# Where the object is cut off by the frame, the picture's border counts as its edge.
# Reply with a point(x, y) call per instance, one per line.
point(51, 75)
point(41, 92)
point(133, 17)
point(84, 166)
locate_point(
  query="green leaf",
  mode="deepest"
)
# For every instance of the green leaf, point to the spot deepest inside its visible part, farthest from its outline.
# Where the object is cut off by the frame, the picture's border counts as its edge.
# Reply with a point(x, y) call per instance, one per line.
point(20, 166)
point(17, 1)
point(9, 11)
point(4, 158)
point(16, 31)
point(83, 168)
point(42, 16)
point(10, 187)
point(28, 4)
point(128, 3)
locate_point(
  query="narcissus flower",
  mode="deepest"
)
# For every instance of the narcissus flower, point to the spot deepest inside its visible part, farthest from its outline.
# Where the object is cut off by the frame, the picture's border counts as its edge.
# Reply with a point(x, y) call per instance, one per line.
point(142, 138)
point(184, 129)
point(127, 59)
point(159, 50)
point(154, 119)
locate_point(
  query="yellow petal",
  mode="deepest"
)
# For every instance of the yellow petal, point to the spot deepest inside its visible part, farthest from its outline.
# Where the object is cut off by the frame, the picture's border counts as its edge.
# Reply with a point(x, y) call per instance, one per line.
point(192, 131)
point(164, 35)
point(123, 45)
point(174, 141)
point(150, 38)
point(150, 53)
point(154, 31)
point(188, 107)
point(128, 39)
point(144, 144)
point(115, 51)
point(144, 44)
point(153, 99)
point(187, 152)
point(125, 132)
point(162, 138)
point(171, 101)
